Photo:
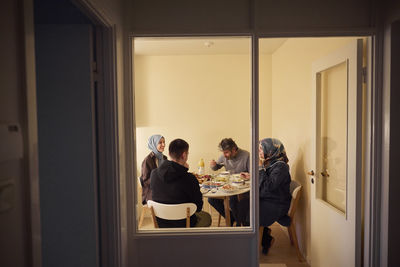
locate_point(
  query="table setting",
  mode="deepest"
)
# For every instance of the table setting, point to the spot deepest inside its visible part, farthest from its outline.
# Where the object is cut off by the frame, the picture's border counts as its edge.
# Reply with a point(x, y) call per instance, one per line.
point(223, 185)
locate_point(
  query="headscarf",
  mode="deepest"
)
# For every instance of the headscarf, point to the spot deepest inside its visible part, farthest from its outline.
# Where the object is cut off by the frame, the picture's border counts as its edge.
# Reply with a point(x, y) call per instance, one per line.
point(273, 151)
point(152, 144)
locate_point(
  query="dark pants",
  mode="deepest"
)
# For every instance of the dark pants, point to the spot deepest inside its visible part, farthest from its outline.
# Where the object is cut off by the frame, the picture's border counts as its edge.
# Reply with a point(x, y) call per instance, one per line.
point(244, 210)
point(266, 238)
point(269, 213)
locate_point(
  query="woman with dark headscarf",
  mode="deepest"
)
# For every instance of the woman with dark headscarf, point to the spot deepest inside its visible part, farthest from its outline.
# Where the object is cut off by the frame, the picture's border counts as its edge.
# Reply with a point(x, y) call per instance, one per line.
point(156, 144)
point(274, 185)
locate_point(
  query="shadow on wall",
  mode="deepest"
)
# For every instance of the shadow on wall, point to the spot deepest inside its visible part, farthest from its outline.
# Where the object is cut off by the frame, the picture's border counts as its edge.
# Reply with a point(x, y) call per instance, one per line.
point(303, 214)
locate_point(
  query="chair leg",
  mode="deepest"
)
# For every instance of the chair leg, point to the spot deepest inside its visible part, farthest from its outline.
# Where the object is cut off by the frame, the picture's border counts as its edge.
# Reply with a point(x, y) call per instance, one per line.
point(296, 244)
point(154, 217)
point(219, 220)
point(260, 234)
point(142, 216)
point(289, 228)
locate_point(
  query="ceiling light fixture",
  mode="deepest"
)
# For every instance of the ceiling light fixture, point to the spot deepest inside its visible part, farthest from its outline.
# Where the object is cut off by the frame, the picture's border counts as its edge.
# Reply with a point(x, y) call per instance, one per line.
point(208, 43)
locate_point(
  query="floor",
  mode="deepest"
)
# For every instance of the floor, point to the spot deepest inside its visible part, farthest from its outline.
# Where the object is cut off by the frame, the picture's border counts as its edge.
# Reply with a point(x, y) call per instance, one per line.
point(281, 254)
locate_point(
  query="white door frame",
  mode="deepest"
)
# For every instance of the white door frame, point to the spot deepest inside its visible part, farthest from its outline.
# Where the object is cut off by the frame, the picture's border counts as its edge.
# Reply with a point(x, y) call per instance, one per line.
point(108, 184)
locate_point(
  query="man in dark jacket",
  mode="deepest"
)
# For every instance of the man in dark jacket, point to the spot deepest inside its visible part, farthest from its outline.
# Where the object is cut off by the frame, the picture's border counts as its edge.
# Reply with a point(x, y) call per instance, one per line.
point(171, 183)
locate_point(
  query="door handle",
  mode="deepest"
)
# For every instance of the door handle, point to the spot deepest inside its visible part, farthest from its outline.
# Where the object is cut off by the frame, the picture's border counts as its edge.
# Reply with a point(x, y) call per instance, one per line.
point(325, 174)
point(312, 174)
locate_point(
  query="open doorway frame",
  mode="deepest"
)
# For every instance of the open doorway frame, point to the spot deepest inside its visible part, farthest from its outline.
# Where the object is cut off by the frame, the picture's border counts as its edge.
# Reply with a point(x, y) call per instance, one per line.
point(109, 235)
point(106, 132)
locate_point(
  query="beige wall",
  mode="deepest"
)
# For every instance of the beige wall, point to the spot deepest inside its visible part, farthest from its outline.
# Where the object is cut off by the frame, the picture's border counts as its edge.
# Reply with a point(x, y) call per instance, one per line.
point(265, 95)
point(292, 111)
point(199, 98)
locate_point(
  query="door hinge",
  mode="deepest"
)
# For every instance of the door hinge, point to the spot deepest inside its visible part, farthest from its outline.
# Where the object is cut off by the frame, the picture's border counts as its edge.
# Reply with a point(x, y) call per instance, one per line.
point(94, 66)
point(94, 71)
point(364, 75)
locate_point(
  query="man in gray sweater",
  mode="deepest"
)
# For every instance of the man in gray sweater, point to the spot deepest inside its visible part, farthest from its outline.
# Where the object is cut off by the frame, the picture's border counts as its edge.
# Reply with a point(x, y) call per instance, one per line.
point(235, 160)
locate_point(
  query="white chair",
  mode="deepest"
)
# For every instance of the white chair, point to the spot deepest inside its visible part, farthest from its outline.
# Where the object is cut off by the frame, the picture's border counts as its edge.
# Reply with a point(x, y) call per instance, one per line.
point(171, 211)
point(145, 208)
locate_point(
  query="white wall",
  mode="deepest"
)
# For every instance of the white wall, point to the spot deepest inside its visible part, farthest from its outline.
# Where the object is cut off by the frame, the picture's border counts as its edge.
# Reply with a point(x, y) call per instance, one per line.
point(292, 111)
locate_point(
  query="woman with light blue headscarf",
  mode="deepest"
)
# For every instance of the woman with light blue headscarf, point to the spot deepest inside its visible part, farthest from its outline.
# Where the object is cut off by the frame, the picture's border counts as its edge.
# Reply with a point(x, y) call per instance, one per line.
point(156, 144)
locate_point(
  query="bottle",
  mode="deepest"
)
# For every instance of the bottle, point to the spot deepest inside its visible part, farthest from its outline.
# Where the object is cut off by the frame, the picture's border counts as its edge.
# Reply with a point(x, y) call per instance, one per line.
point(201, 166)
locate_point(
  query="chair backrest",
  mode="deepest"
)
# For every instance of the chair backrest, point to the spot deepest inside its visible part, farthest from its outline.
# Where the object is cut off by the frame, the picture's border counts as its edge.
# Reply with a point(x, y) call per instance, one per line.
point(295, 191)
point(140, 183)
point(172, 211)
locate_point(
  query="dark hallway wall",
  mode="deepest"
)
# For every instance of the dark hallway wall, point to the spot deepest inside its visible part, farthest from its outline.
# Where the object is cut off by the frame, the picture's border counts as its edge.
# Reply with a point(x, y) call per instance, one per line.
point(394, 167)
point(66, 135)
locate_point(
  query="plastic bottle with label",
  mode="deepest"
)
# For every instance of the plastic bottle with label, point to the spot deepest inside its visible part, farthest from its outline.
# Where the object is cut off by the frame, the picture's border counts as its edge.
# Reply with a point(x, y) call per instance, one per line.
point(201, 167)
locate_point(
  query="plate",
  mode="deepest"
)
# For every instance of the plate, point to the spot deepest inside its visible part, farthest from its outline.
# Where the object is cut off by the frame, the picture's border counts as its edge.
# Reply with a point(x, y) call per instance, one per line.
point(204, 190)
point(208, 184)
point(201, 178)
point(241, 186)
point(227, 188)
point(239, 176)
point(237, 180)
point(221, 178)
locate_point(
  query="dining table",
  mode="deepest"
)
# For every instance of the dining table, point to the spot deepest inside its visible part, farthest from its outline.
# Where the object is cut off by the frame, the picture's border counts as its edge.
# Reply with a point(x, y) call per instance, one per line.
point(219, 193)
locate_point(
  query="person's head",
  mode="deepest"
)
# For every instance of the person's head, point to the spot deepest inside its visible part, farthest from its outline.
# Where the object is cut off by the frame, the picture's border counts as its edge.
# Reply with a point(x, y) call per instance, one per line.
point(156, 143)
point(272, 150)
point(179, 150)
point(228, 147)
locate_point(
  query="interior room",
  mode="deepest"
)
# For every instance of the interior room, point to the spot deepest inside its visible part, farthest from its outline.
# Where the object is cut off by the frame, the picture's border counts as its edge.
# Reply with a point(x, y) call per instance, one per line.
point(199, 89)
point(72, 139)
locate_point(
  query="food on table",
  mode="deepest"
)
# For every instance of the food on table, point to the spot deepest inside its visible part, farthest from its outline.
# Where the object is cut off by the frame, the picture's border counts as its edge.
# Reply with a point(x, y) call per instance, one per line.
point(237, 180)
point(201, 178)
point(221, 178)
point(229, 188)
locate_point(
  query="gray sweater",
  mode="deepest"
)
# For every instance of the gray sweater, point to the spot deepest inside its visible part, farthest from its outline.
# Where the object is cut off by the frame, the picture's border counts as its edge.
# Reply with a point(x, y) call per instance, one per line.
point(240, 163)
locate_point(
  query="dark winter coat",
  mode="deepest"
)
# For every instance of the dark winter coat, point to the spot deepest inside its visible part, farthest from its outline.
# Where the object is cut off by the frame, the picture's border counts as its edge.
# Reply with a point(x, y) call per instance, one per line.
point(171, 183)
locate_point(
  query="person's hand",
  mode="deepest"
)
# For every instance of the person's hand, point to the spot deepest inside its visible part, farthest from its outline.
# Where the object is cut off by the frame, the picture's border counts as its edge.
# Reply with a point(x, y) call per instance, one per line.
point(261, 162)
point(213, 163)
point(245, 175)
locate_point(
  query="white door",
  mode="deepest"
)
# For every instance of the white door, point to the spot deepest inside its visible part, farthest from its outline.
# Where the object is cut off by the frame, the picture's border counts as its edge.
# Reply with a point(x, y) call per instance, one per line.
point(335, 185)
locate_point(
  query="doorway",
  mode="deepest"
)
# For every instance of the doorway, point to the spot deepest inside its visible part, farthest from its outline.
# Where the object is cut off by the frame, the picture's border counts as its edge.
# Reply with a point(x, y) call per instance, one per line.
point(77, 136)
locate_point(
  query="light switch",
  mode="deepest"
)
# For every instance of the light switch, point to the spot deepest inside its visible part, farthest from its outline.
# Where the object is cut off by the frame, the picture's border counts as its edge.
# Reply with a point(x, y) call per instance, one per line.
point(6, 196)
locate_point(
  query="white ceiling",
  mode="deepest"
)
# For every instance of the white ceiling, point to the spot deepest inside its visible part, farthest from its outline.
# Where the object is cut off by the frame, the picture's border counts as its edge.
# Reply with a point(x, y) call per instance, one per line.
point(199, 46)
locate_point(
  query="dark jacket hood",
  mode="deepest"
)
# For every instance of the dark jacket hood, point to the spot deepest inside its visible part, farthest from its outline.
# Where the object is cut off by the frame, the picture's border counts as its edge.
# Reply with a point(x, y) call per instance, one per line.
point(170, 171)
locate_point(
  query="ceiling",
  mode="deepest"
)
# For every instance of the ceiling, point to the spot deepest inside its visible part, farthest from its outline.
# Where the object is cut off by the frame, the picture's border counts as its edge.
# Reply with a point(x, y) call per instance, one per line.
point(200, 46)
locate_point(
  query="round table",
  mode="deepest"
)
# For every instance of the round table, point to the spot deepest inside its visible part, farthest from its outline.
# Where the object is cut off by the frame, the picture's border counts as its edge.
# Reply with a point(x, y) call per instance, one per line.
point(221, 194)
